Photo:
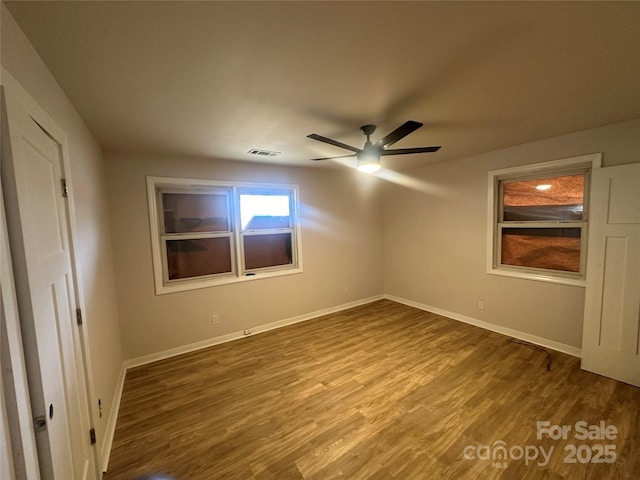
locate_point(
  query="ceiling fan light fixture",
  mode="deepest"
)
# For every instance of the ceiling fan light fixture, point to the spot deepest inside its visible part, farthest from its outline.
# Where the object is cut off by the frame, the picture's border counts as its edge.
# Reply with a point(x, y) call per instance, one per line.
point(368, 157)
point(368, 162)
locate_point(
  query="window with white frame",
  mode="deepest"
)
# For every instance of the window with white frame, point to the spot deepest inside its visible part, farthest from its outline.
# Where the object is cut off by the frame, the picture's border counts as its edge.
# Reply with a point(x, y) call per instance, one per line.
point(208, 233)
point(538, 220)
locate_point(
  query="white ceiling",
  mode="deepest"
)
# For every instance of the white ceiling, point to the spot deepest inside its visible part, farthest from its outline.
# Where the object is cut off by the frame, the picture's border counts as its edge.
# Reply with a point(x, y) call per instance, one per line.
point(216, 79)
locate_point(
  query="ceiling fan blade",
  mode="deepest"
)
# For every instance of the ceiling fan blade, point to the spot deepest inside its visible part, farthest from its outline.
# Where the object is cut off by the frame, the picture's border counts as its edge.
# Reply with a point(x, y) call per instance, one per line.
point(330, 141)
point(402, 131)
point(330, 158)
point(404, 151)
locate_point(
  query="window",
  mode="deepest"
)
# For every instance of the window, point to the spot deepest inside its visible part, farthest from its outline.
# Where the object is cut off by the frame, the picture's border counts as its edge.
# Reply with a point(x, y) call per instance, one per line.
point(538, 225)
point(209, 233)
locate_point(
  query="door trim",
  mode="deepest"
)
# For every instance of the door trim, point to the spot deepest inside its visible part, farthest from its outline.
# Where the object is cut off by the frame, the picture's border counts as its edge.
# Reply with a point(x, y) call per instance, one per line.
point(16, 389)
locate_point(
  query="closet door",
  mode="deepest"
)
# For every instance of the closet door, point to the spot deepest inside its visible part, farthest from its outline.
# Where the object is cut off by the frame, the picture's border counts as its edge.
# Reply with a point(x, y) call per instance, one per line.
point(611, 334)
point(39, 239)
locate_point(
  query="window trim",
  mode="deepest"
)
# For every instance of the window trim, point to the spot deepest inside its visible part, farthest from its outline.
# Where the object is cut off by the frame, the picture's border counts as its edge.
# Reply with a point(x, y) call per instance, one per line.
point(238, 273)
point(551, 168)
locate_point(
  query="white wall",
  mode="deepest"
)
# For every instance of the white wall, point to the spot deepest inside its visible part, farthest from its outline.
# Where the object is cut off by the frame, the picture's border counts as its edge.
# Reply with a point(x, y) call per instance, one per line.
point(435, 237)
point(341, 248)
point(94, 254)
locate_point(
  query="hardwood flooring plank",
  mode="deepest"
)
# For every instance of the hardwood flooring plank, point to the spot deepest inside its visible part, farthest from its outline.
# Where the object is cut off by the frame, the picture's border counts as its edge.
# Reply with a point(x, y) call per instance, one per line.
point(382, 391)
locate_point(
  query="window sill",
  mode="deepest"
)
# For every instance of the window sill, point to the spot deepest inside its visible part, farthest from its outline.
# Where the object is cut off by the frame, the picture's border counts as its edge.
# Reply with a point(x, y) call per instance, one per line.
point(214, 282)
point(540, 277)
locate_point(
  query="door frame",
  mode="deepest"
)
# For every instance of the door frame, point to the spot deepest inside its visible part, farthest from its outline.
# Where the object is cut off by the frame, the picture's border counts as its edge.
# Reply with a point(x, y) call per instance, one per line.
point(14, 89)
point(12, 362)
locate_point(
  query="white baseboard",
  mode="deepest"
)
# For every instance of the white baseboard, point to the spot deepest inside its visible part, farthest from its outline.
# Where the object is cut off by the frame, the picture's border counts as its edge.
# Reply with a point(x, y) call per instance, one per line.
point(543, 342)
point(154, 357)
point(110, 428)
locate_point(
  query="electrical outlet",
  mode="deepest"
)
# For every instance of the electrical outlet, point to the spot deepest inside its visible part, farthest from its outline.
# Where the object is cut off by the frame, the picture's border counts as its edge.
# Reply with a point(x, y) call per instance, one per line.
point(215, 319)
point(480, 304)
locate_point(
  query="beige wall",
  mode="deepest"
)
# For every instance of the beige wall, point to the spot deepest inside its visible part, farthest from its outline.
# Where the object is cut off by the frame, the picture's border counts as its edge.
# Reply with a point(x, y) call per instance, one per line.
point(435, 237)
point(94, 254)
point(341, 248)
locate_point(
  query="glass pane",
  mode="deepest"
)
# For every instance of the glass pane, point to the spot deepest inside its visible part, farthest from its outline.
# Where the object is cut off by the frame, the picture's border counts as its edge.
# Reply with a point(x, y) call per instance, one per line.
point(267, 250)
point(264, 211)
point(198, 257)
point(550, 248)
point(192, 212)
point(555, 199)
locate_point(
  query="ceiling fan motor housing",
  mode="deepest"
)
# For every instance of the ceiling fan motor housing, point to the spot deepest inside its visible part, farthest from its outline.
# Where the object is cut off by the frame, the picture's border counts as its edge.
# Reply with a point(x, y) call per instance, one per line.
point(368, 130)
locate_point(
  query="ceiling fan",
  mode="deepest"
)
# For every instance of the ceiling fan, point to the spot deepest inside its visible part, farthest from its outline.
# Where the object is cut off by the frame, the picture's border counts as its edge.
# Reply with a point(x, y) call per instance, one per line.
point(369, 155)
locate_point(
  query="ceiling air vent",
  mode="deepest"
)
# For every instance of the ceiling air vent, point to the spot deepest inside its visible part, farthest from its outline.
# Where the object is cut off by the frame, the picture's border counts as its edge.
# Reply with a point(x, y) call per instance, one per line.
point(263, 153)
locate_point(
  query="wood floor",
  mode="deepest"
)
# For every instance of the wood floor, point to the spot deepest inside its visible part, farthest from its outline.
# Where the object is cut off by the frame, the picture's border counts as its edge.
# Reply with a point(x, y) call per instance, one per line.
point(382, 391)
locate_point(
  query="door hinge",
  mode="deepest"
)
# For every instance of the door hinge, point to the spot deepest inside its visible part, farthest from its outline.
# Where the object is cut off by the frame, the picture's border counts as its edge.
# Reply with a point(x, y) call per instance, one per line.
point(92, 436)
point(65, 187)
point(79, 316)
point(39, 423)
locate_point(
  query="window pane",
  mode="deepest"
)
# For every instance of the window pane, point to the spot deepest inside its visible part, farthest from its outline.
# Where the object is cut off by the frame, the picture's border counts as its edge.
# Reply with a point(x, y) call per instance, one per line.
point(550, 248)
point(194, 212)
point(264, 211)
point(198, 257)
point(267, 250)
point(556, 199)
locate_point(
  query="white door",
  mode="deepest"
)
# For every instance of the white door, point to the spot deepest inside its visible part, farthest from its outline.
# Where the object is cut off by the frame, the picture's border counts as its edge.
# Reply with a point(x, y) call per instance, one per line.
point(7, 471)
point(611, 335)
point(38, 234)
